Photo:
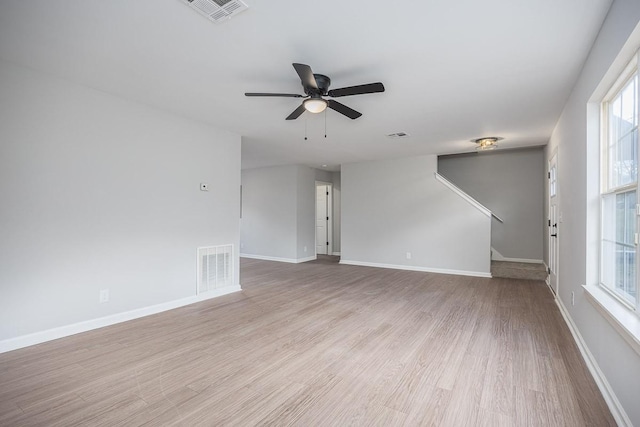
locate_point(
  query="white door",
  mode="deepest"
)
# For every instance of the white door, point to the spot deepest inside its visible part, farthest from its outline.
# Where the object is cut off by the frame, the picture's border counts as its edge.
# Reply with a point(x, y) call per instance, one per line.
point(553, 223)
point(322, 240)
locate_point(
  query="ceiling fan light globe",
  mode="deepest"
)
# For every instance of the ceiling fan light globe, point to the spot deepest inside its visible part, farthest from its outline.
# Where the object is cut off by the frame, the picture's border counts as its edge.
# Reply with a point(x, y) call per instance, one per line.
point(315, 105)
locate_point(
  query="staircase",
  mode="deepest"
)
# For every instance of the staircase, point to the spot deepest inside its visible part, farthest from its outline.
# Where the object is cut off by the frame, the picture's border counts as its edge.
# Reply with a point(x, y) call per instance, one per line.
point(518, 270)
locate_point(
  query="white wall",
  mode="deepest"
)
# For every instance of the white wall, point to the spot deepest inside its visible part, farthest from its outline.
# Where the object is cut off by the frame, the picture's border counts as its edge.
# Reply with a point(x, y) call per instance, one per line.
point(511, 184)
point(578, 231)
point(269, 209)
point(392, 207)
point(98, 192)
point(323, 175)
point(278, 213)
point(306, 213)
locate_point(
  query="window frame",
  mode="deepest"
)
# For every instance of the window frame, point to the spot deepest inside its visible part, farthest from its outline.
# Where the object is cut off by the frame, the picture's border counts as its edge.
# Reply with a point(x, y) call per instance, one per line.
point(632, 70)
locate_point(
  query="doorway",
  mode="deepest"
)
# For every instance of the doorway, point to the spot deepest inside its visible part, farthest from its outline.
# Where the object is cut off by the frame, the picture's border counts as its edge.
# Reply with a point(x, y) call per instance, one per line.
point(553, 222)
point(324, 230)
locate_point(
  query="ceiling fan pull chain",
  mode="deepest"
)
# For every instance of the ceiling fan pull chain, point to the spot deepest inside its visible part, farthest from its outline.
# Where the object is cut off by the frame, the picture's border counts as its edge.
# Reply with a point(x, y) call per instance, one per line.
point(325, 123)
point(305, 129)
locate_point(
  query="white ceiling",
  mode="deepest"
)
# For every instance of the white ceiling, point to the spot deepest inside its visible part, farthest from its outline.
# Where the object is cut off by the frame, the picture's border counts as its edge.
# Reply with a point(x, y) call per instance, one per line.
point(453, 69)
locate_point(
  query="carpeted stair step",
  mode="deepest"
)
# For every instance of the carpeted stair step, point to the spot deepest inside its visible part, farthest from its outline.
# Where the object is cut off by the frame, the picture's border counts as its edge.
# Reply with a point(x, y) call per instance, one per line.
point(518, 270)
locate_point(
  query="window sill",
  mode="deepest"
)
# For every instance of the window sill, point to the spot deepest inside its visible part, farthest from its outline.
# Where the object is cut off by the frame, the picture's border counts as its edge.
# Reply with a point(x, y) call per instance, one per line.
point(626, 322)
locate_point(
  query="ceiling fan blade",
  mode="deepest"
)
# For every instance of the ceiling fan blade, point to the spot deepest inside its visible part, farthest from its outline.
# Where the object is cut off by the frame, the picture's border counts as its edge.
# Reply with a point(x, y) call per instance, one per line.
point(357, 90)
point(306, 75)
point(287, 95)
point(296, 113)
point(342, 109)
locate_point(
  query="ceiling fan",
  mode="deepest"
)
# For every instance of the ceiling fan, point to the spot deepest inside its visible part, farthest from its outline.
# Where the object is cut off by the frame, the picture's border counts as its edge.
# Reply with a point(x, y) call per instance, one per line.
point(316, 87)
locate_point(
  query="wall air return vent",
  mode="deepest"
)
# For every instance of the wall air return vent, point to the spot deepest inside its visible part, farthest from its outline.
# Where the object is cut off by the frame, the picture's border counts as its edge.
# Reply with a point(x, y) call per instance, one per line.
point(215, 268)
point(217, 10)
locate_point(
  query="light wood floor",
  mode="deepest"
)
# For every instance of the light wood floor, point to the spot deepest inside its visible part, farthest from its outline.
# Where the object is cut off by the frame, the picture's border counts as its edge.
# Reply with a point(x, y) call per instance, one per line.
point(319, 344)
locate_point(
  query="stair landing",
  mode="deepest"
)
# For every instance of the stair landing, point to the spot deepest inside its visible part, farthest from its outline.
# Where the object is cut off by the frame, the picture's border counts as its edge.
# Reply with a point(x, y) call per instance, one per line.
point(518, 270)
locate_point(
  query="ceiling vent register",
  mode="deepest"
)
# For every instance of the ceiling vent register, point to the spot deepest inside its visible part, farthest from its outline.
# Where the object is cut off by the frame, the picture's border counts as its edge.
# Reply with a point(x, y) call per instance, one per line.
point(217, 10)
point(398, 135)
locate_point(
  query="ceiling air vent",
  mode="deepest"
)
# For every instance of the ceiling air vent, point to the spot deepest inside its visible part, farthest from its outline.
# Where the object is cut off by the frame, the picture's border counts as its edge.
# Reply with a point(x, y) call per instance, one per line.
point(398, 135)
point(217, 10)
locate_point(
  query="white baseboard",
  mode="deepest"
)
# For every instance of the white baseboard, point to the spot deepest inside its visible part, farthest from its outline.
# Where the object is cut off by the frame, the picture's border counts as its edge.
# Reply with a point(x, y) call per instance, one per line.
point(415, 268)
point(497, 256)
point(525, 260)
point(279, 259)
point(601, 381)
point(88, 325)
point(548, 279)
point(336, 253)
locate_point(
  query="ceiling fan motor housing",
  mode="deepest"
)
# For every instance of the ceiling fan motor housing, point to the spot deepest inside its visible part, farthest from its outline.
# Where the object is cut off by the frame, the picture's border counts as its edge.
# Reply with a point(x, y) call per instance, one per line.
point(323, 83)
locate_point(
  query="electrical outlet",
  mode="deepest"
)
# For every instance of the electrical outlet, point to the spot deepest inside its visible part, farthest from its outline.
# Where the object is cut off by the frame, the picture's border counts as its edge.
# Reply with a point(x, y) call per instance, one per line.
point(104, 295)
point(408, 255)
point(204, 186)
point(305, 249)
point(573, 298)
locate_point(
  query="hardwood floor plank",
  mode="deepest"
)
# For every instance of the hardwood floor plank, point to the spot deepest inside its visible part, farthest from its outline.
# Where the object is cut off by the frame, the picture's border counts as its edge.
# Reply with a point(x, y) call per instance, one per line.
point(497, 391)
point(432, 411)
point(302, 403)
point(562, 405)
point(383, 416)
point(530, 408)
point(320, 344)
point(466, 395)
point(488, 418)
point(525, 368)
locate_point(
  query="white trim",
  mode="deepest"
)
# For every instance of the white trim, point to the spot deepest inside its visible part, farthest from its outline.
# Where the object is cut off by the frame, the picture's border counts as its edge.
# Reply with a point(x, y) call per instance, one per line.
point(279, 259)
point(523, 260)
point(336, 253)
point(329, 213)
point(601, 381)
point(552, 162)
point(473, 202)
point(89, 325)
point(624, 321)
point(416, 268)
point(607, 188)
point(546, 267)
point(497, 256)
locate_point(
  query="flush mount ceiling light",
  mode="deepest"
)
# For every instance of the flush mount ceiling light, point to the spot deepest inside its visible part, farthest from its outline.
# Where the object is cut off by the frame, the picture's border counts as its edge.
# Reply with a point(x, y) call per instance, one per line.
point(486, 143)
point(315, 105)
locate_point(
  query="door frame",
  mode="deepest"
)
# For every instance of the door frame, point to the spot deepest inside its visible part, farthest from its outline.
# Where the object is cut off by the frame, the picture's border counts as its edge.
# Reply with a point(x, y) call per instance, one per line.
point(329, 222)
point(553, 200)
